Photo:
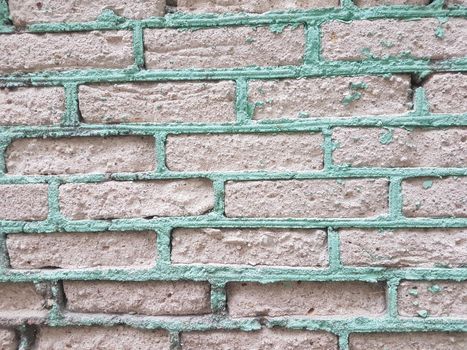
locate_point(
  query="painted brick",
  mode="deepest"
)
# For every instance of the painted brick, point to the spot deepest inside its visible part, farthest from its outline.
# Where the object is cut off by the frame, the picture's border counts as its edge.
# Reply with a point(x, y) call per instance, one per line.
point(223, 47)
point(92, 338)
point(8, 340)
point(114, 199)
point(394, 147)
point(384, 38)
point(370, 3)
point(242, 152)
point(23, 202)
point(82, 250)
point(158, 103)
point(60, 51)
point(435, 197)
point(31, 11)
point(265, 339)
point(435, 298)
point(22, 300)
point(31, 106)
point(264, 247)
point(307, 198)
point(146, 298)
point(255, 6)
point(416, 341)
point(310, 299)
point(81, 155)
point(330, 97)
point(404, 247)
point(447, 93)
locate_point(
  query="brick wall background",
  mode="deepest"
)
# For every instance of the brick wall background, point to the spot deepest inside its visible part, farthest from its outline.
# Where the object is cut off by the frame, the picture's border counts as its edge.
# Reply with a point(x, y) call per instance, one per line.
point(201, 174)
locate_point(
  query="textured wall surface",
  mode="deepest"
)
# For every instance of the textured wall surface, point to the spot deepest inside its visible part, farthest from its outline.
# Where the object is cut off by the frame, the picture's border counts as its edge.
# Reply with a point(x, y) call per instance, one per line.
point(233, 175)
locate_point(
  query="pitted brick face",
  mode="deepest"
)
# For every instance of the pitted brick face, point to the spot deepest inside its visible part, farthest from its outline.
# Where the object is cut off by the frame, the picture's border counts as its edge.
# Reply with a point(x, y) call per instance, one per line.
point(8, 340)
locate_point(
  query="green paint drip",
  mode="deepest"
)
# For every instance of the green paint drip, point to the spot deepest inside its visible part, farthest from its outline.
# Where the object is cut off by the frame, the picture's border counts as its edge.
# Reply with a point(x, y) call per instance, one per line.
point(427, 184)
point(435, 289)
point(386, 137)
point(423, 313)
point(355, 96)
point(413, 292)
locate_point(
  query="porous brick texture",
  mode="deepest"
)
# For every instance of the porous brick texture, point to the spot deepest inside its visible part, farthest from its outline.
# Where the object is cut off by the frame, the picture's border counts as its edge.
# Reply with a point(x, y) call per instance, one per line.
point(233, 174)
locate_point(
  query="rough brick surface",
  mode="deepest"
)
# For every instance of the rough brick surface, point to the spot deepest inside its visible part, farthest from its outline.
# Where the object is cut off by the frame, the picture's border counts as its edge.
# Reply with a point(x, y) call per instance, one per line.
point(307, 198)
point(146, 298)
point(93, 338)
point(330, 97)
point(8, 340)
point(22, 300)
point(31, 106)
point(437, 298)
point(447, 93)
point(416, 341)
point(81, 155)
point(456, 2)
point(82, 250)
point(404, 247)
point(310, 299)
point(424, 38)
point(265, 339)
point(192, 102)
point(23, 202)
point(244, 152)
point(394, 147)
point(60, 51)
point(31, 11)
point(425, 197)
point(267, 247)
point(136, 199)
point(370, 3)
point(223, 47)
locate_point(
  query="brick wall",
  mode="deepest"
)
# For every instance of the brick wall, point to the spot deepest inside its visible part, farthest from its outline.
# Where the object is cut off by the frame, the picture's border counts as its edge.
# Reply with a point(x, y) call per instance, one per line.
point(208, 174)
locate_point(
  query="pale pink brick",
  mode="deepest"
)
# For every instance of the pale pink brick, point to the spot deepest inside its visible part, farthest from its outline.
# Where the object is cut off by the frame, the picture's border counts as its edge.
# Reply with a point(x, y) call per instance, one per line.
point(265, 339)
point(31, 11)
point(435, 197)
point(145, 298)
point(424, 38)
point(245, 152)
point(31, 105)
point(432, 299)
point(307, 198)
point(223, 47)
point(404, 247)
point(456, 2)
point(93, 338)
point(370, 3)
point(394, 147)
point(263, 247)
point(175, 102)
point(447, 93)
point(307, 299)
point(82, 250)
point(119, 200)
point(64, 51)
point(8, 340)
point(24, 202)
point(330, 97)
point(21, 300)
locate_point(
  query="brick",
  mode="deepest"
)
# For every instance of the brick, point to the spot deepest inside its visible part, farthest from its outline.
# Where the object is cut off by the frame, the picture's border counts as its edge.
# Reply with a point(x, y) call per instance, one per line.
point(245, 152)
point(223, 47)
point(25, 12)
point(22, 300)
point(371, 3)
point(307, 198)
point(146, 298)
point(31, 105)
point(425, 38)
point(82, 250)
point(330, 97)
point(23, 202)
point(92, 338)
point(264, 247)
point(394, 147)
point(435, 197)
point(307, 299)
point(456, 2)
point(158, 103)
point(81, 155)
point(447, 93)
point(404, 247)
point(120, 200)
point(255, 6)
point(265, 339)
point(435, 299)
point(417, 341)
point(61, 51)
point(8, 340)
